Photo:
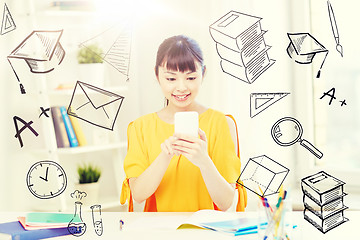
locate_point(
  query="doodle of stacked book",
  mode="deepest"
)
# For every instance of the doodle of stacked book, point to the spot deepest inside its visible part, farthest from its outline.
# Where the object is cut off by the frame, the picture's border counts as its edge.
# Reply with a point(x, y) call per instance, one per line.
point(241, 46)
point(323, 201)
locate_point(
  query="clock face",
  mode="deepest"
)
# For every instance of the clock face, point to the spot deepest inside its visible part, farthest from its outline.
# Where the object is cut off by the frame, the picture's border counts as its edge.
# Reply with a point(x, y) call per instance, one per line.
point(46, 179)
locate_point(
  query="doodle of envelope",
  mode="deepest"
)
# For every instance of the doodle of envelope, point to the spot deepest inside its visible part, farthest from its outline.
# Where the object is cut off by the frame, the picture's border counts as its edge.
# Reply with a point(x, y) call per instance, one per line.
point(95, 105)
point(41, 50)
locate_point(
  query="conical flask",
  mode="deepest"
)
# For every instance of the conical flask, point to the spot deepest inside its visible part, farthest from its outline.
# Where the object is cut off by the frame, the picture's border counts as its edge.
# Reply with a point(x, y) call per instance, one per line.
point(75, 227)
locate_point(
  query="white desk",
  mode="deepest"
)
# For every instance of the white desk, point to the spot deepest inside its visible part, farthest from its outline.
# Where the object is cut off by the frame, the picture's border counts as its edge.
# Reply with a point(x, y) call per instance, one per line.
point(347, 230)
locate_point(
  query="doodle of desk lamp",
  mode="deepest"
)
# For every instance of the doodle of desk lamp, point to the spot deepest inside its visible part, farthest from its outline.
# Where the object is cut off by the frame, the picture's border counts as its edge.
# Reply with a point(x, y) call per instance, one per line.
point(41, 50)
point(288, 131)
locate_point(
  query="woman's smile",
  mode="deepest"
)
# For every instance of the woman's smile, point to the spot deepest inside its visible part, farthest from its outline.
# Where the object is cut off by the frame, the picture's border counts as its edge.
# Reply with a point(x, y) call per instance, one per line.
point(182, 97)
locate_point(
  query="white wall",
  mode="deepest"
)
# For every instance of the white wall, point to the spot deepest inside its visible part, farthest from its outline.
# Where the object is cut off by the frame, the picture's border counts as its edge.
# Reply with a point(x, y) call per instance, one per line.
point(220, 91)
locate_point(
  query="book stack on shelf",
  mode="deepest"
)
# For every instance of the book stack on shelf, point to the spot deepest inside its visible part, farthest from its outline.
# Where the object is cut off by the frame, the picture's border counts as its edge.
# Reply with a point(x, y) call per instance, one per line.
point(38, 225)
point(323, 201)
point(68, 131)
point(241, 46)
point(77, 5)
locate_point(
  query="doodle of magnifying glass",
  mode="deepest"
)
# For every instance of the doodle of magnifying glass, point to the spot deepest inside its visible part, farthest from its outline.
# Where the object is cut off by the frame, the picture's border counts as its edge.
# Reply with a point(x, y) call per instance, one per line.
point(288, 131)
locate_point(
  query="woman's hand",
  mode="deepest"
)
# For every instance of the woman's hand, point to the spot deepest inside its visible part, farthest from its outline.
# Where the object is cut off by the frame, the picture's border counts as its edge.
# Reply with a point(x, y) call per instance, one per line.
point(167, 147)
point(193, 148)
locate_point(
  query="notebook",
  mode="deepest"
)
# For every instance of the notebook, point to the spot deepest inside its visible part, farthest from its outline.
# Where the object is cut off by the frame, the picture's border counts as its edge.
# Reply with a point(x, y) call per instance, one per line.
point(42, 220)
point(14, 230)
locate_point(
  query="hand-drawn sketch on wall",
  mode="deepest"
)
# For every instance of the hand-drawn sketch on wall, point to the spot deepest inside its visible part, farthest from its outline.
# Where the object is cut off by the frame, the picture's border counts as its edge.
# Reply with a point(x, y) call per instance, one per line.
point(264, 173)
point(343, 103)
point(288, 131)
point(334, 29)
point(261, 101)
point(44, 111)
point(41, 50)
point(241, 46)
point(303, 47)
point(46, 179)
point(115, 43)
point(323, 197)
point(78, 195)
point(75, 227)
point(95, 105)
point(26, 125)
point(7, 24)
point(97, 220)
point(331, 94)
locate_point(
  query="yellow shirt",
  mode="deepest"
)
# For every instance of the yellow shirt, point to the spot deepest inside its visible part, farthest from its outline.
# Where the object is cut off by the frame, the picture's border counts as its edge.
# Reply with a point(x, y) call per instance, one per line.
point(182, 188)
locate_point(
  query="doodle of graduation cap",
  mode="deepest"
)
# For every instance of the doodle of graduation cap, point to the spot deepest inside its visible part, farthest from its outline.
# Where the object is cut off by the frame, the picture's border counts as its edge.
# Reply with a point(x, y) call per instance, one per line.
point(303, 47)
point(41, 50)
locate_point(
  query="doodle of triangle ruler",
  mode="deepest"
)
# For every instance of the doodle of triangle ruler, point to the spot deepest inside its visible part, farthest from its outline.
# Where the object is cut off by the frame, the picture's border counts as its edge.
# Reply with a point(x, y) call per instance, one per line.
point(116, 45)
point(261, 101)
point(8, 23)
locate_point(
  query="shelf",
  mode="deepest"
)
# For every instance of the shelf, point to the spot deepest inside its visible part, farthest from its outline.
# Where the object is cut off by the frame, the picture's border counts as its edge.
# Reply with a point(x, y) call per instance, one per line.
point(53, 12)
point(109, 204)
point(65, 8)
point(114, 204)
point(67, 92)
point(87, 149)
point(77, 15)
point(84, 149)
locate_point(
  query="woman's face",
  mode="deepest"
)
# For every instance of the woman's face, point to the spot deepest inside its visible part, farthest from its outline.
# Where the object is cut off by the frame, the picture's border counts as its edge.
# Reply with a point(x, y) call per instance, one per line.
point(180, 88)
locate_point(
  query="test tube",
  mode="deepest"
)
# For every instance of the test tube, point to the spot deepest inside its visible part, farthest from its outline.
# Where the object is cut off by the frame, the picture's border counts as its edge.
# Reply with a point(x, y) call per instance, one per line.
point(97, 220)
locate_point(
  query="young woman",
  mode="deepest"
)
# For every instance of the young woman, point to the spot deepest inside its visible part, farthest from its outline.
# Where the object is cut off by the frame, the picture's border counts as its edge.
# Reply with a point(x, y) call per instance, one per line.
point(175, 172)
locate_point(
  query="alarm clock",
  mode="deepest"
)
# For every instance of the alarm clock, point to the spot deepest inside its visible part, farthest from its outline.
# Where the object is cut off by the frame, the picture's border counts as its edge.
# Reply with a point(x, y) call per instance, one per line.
point(46, 179)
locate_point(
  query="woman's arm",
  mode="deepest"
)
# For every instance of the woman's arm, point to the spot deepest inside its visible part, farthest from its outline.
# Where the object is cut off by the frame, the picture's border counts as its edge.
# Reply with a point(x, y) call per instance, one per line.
point(195, 149)
point(221, 192)
point(145, 185)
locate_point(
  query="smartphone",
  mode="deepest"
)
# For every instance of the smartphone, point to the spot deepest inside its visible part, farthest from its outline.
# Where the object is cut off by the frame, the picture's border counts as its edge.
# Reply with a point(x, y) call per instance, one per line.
point(187, 123)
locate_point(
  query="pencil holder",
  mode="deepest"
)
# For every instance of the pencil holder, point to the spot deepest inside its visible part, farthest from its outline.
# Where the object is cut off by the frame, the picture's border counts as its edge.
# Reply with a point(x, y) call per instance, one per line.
point(274, 219)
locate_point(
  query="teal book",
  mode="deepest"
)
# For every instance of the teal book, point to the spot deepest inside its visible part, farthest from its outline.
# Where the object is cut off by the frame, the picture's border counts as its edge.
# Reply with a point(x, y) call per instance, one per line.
point(69, 128)
point(14, 230)
point(240, 226)
point(43, 218)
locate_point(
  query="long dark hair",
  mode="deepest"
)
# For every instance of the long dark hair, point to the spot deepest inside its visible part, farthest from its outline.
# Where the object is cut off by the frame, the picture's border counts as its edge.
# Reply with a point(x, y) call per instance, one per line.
point(179, 53)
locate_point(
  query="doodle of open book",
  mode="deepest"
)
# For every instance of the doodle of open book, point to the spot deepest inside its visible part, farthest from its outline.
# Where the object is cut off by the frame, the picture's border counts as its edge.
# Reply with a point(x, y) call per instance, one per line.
point(115, 43)
point(41, 50)
point(95, 105)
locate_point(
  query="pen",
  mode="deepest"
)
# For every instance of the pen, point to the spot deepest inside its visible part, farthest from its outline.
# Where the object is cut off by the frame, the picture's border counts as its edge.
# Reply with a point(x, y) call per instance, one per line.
point(273, 222)
point(121, 224)
point(277, 218)
point(265, 204)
